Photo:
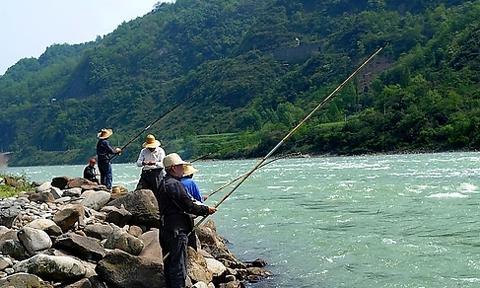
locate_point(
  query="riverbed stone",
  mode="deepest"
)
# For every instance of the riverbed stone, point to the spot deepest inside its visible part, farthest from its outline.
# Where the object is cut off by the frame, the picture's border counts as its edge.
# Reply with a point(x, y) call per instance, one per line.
point(118, 216)
point(95, 199)
point(69, 216)
point(52, 268)
point(8, 214)
point(45, 186)
point(73, 192)
point(60, 182)
point(99, 231)
point(34, 239)
point(46, 225)
point(23, 280)
point(122, 240)
point(84, 247)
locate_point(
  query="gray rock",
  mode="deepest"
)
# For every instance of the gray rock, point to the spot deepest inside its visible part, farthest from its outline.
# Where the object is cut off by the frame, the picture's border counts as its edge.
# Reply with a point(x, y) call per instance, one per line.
point(46, 225)
point(34, 240)
point(8, 215)
point(60, 182)
point(52, 268)
point(118, 216)
point(23, 280)
point(78, 182)
point(124, 241)
point(200, 285)
point(44, 187)
point(135, 231)
point(14, 249)
point(143, 206)
point(122, 270)
point(99, 231)
point(84, 247)
point(95, 199)
point(42, 197)
point(5, 262)
point(197, 267)
point(215, 266)
point(68, 216)
point(151, 248)
point(56, 192)
point(73, 192)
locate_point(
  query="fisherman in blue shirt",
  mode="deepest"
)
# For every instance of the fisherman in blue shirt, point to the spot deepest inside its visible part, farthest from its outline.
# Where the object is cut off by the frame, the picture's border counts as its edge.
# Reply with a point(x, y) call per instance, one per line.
point(104, 154)
point(190, 185)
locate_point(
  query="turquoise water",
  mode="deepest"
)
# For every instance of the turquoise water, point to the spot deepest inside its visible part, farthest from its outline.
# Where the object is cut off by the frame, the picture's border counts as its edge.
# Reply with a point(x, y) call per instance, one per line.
point(370, 221)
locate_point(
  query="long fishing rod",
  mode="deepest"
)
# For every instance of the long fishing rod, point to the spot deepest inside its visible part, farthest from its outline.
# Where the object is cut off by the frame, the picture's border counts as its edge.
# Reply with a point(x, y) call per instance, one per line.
point(153, 123)
point(243, 175)
point(289, 134)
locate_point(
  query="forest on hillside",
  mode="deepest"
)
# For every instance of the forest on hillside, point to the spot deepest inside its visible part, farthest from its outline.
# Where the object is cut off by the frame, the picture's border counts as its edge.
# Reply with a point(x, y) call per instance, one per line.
point(246, 72)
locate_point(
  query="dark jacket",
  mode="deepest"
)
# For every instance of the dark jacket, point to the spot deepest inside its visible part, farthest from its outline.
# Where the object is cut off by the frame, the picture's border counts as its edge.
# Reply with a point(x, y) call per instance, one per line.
point(104, 150)
point(89, 173)
point(175, 205)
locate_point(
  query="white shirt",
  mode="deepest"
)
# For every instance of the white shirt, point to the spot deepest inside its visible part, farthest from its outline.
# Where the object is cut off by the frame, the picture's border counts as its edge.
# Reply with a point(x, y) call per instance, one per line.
point(146, 156)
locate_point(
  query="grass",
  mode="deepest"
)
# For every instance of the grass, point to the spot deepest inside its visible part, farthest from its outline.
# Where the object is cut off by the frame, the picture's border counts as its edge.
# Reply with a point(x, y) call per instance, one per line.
point(11, 185)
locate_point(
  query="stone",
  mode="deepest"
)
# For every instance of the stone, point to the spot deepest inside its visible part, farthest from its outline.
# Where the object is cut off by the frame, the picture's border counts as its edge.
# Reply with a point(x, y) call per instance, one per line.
point(118, 192)
point(143, 206)
point(73, 192)
point(60, 182)
point(78, 182)
point(99, 231)
point(118, 216)
point(8, 215)
point(14, 249)
point(23, 280)
point(52, 268)
point(257, 263)
point(46, 225)
point(68, 216)
point(84, 247)
point(125, 242)
point(42, 197)
point(56, 192)
point(200, 285)
point(197, 267)
point(46, 186)
point(5, 262)
point(151, 245)
point(122, 270)
point(215, 266)
point(84, 283)
point(232, 284)
point(95, 199)
point(34, 240)
point(135, 231)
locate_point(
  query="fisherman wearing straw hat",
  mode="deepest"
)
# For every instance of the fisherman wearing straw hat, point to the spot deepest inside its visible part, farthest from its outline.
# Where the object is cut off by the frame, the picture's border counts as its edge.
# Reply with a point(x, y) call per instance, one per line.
point(104, 153)
point(151, 161)
point(176, 223)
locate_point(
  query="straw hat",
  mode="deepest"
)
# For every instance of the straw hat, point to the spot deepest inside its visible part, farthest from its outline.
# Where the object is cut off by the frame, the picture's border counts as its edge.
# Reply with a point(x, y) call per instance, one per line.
point(151, 142)
point(189, 170)
point(104, 133)
point(173, 159)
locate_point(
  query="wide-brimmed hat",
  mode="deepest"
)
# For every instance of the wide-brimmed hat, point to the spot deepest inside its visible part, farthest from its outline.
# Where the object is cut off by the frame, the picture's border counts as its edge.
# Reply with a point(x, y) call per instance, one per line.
point(188, 169)
point(104, 133)
point(173, 159)
point(151, 142)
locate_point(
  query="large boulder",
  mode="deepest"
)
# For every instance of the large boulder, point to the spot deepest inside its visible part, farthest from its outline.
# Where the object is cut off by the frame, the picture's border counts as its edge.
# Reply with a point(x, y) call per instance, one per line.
point(68, 216)
point(78, 182)
point(60, 182)
point(23, 280)
point(52, 268)
point(124, 241)
point(143, 206)
point(73, 192)
point(118, 216)
point(197, 267)
point(14, 249)
point(84, 247)
point(34, 240)
point(95, 199)
point(99, 231)
point(151, 249)
point(122, 270)
point(46, 225)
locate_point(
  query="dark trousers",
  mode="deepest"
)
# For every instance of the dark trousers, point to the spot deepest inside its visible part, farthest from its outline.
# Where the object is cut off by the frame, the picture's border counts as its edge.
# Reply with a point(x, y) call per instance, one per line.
point(175, 265)
point(150, 179)
point(105, 169)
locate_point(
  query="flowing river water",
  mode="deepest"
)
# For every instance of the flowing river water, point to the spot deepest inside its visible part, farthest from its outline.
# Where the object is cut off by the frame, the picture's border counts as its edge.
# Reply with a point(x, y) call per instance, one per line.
point(369, 221)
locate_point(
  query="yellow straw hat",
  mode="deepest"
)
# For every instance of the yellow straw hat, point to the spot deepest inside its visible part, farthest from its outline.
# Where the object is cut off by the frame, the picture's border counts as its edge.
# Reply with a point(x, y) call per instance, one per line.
point(104, 133)
point(189, 170)
point(151, 142)
point(173, 159)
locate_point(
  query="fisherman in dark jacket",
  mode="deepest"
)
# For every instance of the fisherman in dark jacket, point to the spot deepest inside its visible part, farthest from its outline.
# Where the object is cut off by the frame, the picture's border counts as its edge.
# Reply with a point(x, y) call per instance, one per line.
point(175, 207)
point(104, 154)
point(90, 173)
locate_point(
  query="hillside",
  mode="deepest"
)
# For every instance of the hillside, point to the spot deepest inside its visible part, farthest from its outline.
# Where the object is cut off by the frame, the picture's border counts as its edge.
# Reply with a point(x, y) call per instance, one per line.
point(251, 70)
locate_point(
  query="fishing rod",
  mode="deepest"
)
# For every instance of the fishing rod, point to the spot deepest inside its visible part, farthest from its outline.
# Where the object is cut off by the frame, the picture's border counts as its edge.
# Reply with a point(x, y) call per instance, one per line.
point(243, 175)
point(152, 123)
point(289, 134)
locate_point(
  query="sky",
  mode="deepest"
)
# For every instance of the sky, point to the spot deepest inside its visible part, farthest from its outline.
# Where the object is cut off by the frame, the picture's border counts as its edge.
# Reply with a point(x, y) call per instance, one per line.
point(28, 27)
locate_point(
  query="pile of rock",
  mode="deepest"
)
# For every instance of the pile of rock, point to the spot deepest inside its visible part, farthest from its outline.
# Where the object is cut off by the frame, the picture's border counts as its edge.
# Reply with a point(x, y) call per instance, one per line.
point(73, 233)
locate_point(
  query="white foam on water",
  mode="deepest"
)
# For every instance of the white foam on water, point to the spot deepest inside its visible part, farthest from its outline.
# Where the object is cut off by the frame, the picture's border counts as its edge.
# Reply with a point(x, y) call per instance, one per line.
point(469, 280)
point(447, 195)
point(389, 241)
point(468, 188)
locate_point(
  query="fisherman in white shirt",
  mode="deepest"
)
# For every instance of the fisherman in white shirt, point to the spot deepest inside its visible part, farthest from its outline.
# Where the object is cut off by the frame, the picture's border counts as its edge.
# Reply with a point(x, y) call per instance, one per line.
point(151, 161)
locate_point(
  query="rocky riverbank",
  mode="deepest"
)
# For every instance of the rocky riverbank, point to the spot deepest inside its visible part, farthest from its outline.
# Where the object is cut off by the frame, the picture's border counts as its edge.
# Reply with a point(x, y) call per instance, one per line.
point(73, 233)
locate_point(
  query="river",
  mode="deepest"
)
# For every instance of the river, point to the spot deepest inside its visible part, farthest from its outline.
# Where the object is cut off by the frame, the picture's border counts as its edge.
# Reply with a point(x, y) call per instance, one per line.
point(367, 221)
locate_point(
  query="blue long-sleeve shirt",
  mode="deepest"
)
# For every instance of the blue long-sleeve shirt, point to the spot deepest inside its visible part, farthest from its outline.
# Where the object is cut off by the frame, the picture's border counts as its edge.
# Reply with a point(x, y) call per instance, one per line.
point(104, 150)
point(192, 188)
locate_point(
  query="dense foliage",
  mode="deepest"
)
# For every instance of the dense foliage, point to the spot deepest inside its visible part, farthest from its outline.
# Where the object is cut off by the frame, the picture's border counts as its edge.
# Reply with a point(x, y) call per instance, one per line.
point(250, 71)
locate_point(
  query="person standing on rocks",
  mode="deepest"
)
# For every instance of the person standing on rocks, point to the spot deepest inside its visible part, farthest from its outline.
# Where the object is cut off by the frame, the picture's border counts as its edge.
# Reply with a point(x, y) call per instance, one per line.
point(104, 153)
point(90, 173)
point(176, 223)
point(151, 161)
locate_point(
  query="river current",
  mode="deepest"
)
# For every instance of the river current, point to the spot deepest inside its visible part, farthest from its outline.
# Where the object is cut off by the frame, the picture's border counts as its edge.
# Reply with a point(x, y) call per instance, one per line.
point(368, 221)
